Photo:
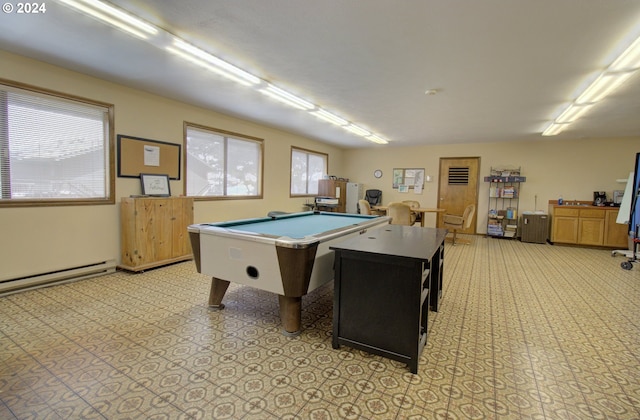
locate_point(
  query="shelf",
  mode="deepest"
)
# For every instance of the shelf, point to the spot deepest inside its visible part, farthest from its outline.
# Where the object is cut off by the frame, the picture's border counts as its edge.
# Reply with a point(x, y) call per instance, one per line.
point(505, 179)
point(504, 197)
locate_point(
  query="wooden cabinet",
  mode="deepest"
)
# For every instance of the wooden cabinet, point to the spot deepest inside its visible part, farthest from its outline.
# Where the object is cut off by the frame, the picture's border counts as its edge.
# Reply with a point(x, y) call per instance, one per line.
point(591, 227)
point(154, 231)
point(584, 224)
point(385, 284)
point(335, 189)
point(564, 225)
point(615, 235)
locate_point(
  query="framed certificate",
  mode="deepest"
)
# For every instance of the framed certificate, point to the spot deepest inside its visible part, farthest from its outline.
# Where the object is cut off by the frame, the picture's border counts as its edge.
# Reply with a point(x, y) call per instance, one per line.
point(155, 185)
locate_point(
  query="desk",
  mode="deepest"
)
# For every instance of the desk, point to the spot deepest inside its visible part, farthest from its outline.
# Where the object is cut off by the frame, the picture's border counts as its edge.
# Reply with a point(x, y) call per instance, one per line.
point(288, 254)
point(385, 282)
point(421, 210)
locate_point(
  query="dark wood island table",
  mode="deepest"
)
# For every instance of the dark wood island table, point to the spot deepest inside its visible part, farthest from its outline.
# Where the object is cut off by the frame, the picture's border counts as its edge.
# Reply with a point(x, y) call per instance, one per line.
point(385, 283)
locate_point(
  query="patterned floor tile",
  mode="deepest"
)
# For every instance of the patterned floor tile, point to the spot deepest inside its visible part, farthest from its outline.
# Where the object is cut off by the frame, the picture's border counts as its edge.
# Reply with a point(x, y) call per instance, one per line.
point(525, 331)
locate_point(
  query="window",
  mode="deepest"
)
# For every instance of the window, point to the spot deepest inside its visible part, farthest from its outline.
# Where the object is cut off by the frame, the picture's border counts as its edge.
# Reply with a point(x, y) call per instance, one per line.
point(307, 168)
point(55, 149)
point(222, 164)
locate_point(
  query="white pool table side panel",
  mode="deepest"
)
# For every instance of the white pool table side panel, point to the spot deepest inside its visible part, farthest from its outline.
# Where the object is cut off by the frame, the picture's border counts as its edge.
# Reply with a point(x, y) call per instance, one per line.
point(227, 258)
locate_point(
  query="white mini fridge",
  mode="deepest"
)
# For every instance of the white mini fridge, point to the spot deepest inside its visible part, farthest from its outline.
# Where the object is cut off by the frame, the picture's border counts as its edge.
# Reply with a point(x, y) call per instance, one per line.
point(355, 192)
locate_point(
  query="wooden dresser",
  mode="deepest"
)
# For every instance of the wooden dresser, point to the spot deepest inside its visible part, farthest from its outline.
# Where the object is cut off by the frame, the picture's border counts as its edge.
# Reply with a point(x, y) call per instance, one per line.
point(154, 231)
point(335, 189)
point(584, 224)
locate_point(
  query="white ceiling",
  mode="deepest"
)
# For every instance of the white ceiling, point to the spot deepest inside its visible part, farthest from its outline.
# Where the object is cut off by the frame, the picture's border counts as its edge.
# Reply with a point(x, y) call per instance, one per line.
point(502, 68)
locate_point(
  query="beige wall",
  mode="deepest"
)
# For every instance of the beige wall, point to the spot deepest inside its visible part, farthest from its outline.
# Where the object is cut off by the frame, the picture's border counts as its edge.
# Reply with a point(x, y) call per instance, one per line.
point(42, 239)
point(571, 168)
point(36, 240)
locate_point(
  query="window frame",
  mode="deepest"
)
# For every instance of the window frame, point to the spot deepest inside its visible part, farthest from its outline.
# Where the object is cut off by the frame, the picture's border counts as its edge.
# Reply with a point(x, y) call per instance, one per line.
point(307, 152)
point(224, 133)
point(109, 148)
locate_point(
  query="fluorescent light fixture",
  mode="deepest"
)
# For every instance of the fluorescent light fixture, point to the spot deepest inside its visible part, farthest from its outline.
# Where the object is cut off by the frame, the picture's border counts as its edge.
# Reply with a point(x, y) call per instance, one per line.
point(628, 60)
point(573, 112)
point(377, 139)
point(213, 63)
point(618, 72)
point(114, 17)
point(555, 128)
point(158, 37)
point(357, 130)
point(329, 117)
point(602, 86)
point(286, 97)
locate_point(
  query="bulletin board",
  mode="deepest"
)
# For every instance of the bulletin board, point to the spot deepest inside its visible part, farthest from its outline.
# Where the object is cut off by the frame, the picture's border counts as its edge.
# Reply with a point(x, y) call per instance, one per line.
point(137, 155)
point(405, 178)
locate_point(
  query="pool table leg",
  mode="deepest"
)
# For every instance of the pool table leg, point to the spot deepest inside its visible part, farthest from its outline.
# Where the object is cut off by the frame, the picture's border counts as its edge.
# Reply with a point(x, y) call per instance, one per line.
point(218, 289)
point(290, 314)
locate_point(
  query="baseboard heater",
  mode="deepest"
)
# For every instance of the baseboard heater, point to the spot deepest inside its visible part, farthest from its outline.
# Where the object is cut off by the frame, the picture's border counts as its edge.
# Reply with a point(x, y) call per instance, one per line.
point(56, 277)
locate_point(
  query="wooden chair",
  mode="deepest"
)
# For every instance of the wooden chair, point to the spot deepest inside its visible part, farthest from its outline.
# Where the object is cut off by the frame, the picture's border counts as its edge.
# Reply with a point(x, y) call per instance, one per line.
point(456, 223)
point(415, 217)
point(364, 207)
point(400, 214)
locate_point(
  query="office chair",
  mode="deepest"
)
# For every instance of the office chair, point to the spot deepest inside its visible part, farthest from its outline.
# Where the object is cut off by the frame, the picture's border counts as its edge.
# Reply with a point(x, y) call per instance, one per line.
point(415, 217)
point(456, 223)
point(400, 214)
point(374, 197)
point(364, 207)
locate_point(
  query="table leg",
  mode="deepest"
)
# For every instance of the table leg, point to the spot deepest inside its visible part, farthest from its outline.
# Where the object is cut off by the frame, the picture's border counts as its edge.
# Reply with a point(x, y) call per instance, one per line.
point(218, 289)
point(290, 314)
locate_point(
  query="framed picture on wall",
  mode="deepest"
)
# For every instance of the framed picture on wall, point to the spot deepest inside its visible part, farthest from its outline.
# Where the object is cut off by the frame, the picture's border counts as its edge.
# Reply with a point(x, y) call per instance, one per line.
point(155, 185)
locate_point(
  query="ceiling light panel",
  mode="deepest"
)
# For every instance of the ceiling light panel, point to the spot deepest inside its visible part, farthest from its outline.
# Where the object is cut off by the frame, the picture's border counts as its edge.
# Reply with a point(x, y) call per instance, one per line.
point(602, 86)
point(573, 112)
point(628, 60)
point(329, 117)
point(357, 130)
point(287, 98)
point(554, 129)
point(114, 17)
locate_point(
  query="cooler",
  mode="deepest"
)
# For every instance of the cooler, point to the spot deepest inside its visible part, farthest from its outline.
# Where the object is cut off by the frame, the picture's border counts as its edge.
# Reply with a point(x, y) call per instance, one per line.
point(535, 228)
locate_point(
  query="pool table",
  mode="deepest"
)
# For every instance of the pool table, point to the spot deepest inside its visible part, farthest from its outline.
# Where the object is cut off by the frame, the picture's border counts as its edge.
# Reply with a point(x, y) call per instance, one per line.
point(286, 254)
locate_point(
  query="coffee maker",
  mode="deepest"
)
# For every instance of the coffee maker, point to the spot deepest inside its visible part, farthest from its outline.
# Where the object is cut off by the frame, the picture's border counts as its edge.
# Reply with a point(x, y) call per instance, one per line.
point(599, 198)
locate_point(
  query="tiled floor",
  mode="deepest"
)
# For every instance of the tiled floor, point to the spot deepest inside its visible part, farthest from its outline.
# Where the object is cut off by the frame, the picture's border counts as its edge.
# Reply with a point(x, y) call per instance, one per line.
point(525, 331)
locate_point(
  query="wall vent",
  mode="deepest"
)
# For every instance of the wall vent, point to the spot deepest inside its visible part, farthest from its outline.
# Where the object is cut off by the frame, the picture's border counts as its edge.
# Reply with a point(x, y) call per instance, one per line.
point(459, 176)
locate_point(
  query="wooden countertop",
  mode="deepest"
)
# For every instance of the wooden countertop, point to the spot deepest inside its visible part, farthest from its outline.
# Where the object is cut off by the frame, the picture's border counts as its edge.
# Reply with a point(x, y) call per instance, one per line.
point(578, 204)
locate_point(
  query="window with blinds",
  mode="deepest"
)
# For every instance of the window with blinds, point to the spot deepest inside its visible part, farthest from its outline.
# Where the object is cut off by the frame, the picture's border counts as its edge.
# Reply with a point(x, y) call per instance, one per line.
point(307, 168)
point(458, 176)
point(54, 149)
point(222, 164)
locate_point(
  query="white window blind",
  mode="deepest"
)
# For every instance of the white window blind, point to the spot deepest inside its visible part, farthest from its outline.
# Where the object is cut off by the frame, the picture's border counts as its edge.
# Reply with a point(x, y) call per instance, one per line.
point(221, 164)
point(53, 149)
point(307, 168)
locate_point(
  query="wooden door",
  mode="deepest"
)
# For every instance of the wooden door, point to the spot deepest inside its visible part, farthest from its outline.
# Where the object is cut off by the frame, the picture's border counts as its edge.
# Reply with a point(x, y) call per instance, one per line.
point(459, 182)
